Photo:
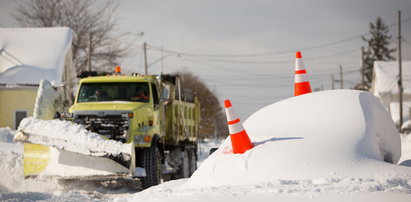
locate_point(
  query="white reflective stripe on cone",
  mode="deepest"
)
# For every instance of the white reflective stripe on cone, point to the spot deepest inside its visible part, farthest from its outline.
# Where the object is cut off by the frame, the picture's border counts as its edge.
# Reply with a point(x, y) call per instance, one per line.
point(299, 78)
point(299, 64)
point(235, 128)
point(231, 115)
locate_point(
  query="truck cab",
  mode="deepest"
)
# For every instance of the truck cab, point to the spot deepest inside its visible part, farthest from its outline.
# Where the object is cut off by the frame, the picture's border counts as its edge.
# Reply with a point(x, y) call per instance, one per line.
point(122, 108)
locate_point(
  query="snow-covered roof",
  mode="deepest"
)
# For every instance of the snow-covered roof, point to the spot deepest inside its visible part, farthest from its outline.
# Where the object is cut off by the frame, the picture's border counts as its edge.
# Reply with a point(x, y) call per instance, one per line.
point(28, 55)
point(386, 77)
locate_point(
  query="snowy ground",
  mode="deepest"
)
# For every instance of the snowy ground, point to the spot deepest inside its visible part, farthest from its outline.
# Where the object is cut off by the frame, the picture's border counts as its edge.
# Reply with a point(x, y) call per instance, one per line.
point(13, 186)
point(294, 159)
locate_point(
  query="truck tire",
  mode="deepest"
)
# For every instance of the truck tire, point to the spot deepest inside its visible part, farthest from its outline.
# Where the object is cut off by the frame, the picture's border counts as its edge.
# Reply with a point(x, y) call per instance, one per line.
point(152, 165)
point(192, 158)
point(184, 171)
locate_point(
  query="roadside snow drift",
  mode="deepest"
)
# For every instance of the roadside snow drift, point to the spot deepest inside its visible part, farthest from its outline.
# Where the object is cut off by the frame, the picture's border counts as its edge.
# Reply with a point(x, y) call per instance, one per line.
point(324, 135)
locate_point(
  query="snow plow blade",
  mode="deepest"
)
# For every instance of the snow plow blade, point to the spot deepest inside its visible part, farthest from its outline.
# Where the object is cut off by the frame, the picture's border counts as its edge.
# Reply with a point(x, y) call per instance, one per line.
point(36, 158)
point(61, 148)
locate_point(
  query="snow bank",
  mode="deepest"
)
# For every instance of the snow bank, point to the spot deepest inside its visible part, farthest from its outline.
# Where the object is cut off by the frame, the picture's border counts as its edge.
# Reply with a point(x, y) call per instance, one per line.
point(12, 165)
point(11, 162)
point(12, 180)
point(329, 146)
point(336, 190)
point(15, 187)
point(6, 142)
point(6, 135)
point(318, 135)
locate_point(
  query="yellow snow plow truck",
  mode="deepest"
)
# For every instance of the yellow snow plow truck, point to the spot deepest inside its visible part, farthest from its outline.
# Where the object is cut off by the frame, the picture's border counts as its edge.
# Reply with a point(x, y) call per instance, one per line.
point(143, 127)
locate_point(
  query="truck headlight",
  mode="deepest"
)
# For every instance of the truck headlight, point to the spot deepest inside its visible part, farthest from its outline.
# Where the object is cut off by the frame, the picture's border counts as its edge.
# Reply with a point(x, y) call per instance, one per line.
point(142, 139)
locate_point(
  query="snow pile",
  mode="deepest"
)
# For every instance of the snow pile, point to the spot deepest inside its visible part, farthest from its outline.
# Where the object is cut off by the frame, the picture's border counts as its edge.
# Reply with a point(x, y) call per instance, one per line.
point(44, 107)
point(11, 154)
point(12, 164)
point(15, 187)
point(6, 142)
point(6, 135)
point(38, 196)
point(71, 137)
point(406, 150)
point(327, 144)
point(319, 135)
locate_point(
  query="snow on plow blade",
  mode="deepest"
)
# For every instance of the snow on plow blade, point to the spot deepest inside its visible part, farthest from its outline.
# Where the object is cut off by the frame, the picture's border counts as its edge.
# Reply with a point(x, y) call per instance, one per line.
point(61, 148)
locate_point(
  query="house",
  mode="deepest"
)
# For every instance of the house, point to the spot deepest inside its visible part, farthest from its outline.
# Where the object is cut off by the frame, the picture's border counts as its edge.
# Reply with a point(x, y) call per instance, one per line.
point(27, 56)
point(385, 87)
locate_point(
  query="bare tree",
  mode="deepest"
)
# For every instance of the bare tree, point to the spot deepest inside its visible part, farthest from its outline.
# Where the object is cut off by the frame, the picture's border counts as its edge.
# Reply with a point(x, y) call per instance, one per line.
point(92, 21)
point(212, 116)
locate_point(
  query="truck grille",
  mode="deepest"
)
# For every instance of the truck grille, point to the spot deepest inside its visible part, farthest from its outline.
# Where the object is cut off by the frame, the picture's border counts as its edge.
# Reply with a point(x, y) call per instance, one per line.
point(113, 127)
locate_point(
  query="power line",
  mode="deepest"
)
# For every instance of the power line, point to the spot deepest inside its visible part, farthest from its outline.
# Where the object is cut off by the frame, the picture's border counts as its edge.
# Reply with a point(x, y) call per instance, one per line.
point(267, 79)
point(232, 70)
point(406, 41)
point(281, 61)
point(272, 53)
point(260, 54)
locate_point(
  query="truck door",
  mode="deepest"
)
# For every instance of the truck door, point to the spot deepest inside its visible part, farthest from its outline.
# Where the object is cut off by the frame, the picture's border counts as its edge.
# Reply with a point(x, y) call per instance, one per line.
point(156, 99)
point(159, 111)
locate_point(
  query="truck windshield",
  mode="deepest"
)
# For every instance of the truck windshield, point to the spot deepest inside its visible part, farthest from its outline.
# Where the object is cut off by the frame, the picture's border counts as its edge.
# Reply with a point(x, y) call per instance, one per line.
point(103, 92)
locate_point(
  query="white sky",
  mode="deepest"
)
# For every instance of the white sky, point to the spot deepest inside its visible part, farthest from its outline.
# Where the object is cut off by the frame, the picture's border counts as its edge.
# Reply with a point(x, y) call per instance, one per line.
point(236, 27)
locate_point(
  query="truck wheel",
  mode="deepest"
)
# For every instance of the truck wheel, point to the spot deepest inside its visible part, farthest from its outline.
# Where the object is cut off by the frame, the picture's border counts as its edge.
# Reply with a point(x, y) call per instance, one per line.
point(152, 165)
point(184, 171)
point(192, 156)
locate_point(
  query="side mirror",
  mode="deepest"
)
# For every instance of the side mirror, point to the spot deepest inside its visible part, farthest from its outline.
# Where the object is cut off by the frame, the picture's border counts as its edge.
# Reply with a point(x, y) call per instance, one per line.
point(165, 94)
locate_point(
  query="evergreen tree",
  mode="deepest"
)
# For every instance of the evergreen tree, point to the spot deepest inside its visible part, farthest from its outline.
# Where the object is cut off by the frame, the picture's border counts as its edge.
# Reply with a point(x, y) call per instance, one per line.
point(378, 48)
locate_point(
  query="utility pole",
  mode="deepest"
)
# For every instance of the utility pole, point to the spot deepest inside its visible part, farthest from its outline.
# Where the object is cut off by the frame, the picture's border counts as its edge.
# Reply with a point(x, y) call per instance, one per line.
point(332, 81)
point(400, 68)
point(145, 58)
point(162, 60)
point(341, 78)
point(362, 66)
point(89, 53)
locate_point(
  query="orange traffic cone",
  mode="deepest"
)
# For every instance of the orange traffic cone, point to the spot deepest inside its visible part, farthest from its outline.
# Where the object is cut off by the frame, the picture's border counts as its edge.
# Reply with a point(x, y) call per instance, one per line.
point(301, 84)
point(239, 138)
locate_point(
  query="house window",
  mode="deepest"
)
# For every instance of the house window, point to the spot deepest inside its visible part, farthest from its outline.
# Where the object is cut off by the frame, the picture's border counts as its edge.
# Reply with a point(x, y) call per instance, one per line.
point(18, 116)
